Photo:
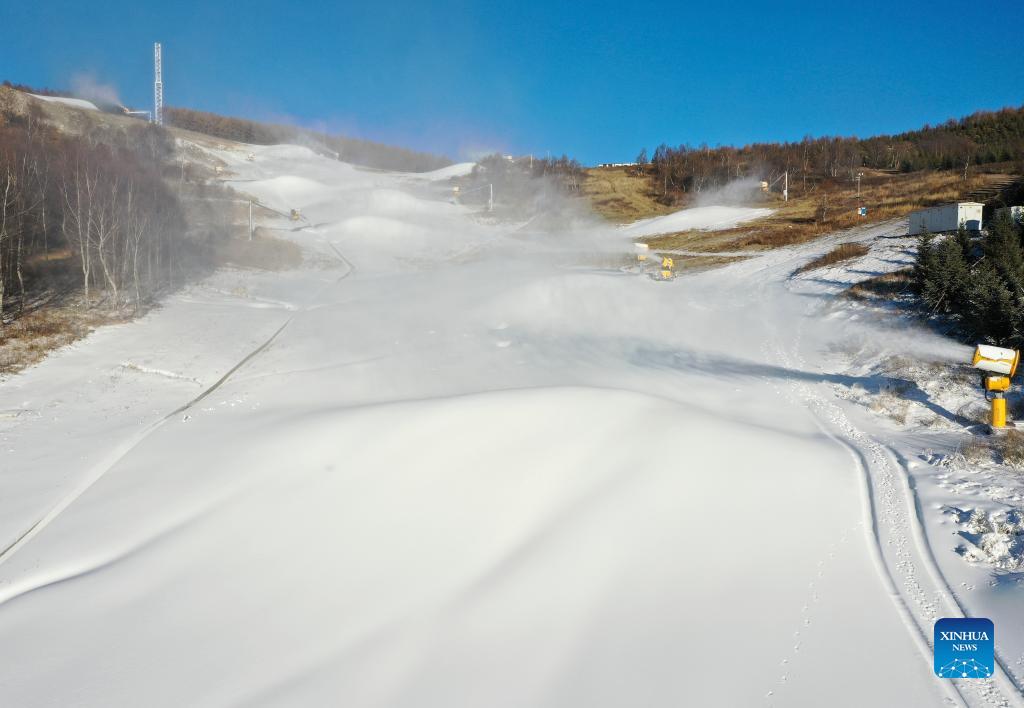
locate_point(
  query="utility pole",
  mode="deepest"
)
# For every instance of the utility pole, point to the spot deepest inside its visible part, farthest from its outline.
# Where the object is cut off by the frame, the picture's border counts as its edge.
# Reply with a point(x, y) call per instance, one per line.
point(250, 220)
point(785, 187)
point(490, 199)
point(859, 175)
point(158, 85)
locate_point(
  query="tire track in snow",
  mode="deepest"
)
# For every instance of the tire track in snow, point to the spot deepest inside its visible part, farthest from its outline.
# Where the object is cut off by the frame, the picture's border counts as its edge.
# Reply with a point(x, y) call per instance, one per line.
point(799, 394)
point(809, 399)
point(120, 451)
point(347, 262)
point(897, 544)
point(99, 470)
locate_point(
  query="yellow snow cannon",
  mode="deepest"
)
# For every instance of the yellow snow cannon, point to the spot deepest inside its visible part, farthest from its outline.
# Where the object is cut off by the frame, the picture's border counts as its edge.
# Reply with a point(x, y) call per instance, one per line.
point(999, 365)
point(667, 264)
point(295, 215)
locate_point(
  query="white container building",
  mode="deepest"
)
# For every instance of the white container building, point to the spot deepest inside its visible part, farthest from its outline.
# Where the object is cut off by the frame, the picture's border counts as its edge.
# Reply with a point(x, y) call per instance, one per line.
point(948, 217)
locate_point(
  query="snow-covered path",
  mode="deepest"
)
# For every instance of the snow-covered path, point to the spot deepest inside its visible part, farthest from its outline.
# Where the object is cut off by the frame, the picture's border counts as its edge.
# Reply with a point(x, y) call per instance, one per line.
point(449, 467)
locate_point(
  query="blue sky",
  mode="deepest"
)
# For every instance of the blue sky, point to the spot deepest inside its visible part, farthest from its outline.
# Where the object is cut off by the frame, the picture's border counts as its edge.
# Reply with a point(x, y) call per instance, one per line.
point(596, 80)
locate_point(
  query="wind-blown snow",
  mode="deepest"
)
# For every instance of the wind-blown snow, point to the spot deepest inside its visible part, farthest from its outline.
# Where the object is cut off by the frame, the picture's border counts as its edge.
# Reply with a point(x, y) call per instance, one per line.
point(459, 169)
point(710, 218)
point(444, 469)
point(73, 102)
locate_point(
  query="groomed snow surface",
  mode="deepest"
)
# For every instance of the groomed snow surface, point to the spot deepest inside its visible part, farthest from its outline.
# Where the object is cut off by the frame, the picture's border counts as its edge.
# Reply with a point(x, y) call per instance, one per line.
point(459, 169)
point(709, 218)
point(446, 469)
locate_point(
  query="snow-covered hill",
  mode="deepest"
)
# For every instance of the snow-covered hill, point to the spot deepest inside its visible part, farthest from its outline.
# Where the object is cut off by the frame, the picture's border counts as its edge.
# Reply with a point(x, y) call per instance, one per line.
point(444, 465)
point(710, 218)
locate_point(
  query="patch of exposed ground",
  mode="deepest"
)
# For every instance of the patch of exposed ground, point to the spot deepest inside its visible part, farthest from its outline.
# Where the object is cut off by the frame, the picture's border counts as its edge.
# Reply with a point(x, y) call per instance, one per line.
point(842, 252)
point(30, 337)
point(819, 211)
point(621, 195)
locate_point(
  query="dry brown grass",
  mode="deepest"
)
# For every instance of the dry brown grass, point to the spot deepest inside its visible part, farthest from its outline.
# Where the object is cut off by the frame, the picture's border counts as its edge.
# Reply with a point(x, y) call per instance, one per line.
point(893, 405)
point(976, 451)
point(264, 252)
point(28, 339)
point(888, 286)
point(620, 195)
point(842, 252)
point(696, 263)
point(1010, 446)
point(696, 240)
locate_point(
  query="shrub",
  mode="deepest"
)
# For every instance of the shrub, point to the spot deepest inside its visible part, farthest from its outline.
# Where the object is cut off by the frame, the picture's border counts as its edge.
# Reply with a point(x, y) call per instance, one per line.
point(1011, 448)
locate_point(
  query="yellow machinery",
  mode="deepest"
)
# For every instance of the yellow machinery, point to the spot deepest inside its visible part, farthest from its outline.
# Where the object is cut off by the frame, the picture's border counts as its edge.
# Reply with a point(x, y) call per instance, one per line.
point(295, 215)
point(642, 251)
point(999, 365)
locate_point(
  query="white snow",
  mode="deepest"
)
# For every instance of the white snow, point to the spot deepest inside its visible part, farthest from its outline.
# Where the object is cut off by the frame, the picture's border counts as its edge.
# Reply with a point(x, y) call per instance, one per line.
point(710, 218)
point(73, 102)
point(452, 471)
point(459, 169)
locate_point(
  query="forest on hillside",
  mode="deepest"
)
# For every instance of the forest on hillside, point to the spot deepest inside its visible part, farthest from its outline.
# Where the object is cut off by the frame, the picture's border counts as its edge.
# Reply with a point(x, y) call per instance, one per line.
point(976, 284)
point(352, 150)
point(983, 138)
point(92, 213)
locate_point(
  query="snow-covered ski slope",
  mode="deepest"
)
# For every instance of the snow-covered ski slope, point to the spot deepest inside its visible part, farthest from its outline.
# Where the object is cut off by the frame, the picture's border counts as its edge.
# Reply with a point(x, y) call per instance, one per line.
point(711, 218)
point(443, 464)
point(72, 102)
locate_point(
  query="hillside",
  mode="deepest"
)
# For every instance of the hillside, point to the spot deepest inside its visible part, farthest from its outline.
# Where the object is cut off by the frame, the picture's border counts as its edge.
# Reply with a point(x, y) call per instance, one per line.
point(352, 479)
point(622, 194)
point(367, 153)
point(102, 217)
point(992, 140)
point(808, 215)
point(979, 157)
point(354, 151)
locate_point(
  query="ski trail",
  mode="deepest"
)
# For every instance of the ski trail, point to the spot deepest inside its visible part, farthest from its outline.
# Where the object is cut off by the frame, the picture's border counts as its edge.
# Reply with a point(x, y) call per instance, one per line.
point(789, 664)
point(901, 552)
point(802, 394)
point(99, 470)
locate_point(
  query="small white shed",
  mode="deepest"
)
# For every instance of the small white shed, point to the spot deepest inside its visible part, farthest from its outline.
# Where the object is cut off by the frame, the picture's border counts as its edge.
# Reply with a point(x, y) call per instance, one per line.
point(948, 217)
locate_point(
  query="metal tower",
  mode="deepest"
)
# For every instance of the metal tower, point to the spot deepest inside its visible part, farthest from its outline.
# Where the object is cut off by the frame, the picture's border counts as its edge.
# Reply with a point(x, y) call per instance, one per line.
point(158, 86)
